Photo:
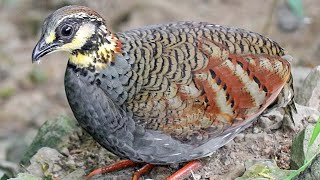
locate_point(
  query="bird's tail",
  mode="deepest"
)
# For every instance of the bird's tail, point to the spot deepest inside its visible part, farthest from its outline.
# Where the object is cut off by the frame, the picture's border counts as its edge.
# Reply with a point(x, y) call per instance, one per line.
point(290, 106)
point(285, 99)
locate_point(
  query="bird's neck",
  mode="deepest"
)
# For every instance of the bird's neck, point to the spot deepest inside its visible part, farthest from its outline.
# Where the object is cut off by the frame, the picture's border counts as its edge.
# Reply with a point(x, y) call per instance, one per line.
point(98, 52)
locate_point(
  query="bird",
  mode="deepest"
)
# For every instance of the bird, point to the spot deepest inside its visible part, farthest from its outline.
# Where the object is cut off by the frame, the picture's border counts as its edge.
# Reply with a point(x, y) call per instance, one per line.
point(167, 93)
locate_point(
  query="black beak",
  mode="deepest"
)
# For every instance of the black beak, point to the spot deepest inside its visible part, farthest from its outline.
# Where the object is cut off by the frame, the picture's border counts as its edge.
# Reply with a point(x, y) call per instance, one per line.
point(42, 48)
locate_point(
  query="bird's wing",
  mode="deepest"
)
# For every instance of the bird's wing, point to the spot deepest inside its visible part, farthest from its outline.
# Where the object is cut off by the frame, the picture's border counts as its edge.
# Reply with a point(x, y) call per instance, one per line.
point(180, 91)
point(195, 80)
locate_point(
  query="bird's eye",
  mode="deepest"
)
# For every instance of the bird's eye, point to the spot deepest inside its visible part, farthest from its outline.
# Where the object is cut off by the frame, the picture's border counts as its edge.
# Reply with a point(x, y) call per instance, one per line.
point(66, 30)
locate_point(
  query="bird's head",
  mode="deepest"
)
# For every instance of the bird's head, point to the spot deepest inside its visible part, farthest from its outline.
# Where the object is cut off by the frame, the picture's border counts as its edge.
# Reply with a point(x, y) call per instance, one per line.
point(80, 31)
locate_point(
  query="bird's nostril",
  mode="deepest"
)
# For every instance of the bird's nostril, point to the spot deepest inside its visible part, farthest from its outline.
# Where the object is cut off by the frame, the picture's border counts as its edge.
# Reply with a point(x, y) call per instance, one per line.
point(41, 45)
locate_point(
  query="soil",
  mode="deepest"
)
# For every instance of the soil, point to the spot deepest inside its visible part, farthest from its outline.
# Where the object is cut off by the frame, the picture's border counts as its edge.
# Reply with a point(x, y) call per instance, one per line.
point(30, 94)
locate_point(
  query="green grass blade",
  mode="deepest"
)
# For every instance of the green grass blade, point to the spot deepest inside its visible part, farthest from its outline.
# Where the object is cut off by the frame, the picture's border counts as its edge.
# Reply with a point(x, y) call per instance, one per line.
point(297, 7)
point(302, 168)
point(315, 133)
point(307, 162)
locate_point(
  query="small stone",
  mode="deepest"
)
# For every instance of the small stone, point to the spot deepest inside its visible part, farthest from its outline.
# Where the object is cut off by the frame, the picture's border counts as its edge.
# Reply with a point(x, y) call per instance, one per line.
point(79, 164)
point(239, 138)
point(65, 151)
point(25, 176)
point(309, 95)
point(54, 133)
point(256, 130)
point(77, 174)
point(44, 161)
point(299, 73)
point(304, 113)
point(271, 120)
point(56, 168)
point(71, 162)
point(313, 118)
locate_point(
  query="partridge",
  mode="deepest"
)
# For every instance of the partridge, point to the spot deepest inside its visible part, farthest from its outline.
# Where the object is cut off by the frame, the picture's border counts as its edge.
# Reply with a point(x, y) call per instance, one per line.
point(167, 93)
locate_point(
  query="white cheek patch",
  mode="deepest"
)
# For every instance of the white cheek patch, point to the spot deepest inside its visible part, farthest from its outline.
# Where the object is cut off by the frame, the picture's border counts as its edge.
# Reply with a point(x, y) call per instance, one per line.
point(51, 37)
point(81, 37)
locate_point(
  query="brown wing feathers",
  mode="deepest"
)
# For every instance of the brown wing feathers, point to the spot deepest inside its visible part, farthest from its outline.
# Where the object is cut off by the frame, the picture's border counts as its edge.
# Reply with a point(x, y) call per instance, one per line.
point(200, 76)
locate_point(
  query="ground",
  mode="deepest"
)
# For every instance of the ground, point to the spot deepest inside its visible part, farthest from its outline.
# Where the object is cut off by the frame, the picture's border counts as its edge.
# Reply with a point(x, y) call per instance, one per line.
point(227, 162)
point(31, 94)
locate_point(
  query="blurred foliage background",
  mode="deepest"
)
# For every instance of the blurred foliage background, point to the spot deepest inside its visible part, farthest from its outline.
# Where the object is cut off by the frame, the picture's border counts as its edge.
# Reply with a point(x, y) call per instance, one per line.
point(31, 94)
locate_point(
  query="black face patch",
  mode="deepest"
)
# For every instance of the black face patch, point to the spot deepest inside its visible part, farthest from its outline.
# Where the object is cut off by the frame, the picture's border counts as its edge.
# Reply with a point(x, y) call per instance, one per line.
point(91, 44)
point(67, 29)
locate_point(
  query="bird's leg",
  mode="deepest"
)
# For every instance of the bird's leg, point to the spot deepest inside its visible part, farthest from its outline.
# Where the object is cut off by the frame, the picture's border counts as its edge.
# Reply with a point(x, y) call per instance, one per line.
point(144, 170)
point(112, 167)
point(186, 170)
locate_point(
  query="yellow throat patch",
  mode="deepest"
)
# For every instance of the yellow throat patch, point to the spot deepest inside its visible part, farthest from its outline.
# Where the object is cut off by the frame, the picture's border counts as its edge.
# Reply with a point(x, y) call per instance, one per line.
point(83, 61)
point(100, 58)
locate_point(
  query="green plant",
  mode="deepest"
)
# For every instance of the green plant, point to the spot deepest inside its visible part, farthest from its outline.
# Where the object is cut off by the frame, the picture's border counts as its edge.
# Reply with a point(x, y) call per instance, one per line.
point(6, 92)
point(308, 161)
point(297, 7)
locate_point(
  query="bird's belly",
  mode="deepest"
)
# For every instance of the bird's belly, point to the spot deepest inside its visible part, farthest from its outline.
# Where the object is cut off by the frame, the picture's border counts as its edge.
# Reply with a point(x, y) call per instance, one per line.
point(98, 115)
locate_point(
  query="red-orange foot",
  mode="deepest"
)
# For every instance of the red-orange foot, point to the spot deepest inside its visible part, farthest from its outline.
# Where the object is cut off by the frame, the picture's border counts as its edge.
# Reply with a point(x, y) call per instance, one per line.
point(180, 174)
point(144, 170)
point(122, 165)
point(186, 171)
point(112, 167)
